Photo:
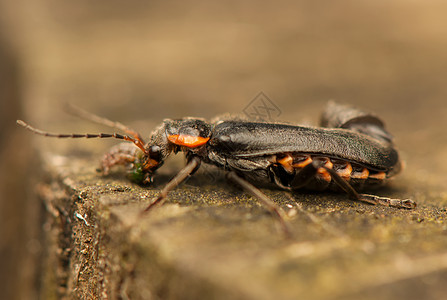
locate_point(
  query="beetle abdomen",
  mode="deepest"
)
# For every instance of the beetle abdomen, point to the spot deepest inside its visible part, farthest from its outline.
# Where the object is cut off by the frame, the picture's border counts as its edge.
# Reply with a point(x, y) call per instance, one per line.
point(288, 164)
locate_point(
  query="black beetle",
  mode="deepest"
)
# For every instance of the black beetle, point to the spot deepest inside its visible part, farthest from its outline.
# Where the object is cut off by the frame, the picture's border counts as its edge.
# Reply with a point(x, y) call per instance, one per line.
point(350, 152)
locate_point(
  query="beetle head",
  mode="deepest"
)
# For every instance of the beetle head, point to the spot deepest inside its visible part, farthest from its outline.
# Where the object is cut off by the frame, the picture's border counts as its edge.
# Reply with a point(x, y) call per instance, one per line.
point(171, 136)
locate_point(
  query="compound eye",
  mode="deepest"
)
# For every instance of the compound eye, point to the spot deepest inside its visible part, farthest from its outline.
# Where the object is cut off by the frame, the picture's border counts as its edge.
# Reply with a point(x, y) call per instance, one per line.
point(154, 148)
point(155, 153)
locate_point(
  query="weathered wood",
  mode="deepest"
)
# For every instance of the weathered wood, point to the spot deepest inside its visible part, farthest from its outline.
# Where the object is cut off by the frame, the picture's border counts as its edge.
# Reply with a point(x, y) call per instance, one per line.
point(212, 241)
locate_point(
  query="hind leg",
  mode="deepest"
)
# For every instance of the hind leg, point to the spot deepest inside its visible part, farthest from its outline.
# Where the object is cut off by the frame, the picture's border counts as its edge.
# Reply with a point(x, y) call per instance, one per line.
point(306, 174)
point(271, 206)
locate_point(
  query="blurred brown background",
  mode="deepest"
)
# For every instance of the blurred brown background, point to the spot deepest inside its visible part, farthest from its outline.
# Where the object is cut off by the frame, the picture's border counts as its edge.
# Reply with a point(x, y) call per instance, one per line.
point(142, 61)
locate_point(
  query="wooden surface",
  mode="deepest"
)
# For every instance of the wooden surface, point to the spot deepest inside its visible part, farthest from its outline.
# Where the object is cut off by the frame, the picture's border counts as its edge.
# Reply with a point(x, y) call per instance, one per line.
point(213, 241)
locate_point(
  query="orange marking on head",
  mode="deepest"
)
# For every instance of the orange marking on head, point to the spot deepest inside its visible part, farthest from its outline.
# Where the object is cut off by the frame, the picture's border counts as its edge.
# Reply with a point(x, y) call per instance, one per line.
point(286, 162)
point(345, 173)
point(187, 140)
point(379, 176)
point(363, 175)
point(303, 163)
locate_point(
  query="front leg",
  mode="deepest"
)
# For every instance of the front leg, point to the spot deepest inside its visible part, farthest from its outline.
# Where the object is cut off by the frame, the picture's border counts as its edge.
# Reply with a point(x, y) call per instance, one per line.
point(123, 154)
point(190, 168)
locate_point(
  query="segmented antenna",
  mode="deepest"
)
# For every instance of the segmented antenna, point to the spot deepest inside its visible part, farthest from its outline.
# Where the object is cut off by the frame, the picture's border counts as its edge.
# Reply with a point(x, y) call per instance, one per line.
point(79, 112)
point(136, 141)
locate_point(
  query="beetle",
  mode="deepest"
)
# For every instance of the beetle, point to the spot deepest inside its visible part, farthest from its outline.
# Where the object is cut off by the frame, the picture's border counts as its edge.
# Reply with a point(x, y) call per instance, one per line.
point(349, 152)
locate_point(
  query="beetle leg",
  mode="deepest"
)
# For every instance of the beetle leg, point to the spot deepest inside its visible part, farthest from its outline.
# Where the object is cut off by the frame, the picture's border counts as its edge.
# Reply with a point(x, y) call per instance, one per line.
point(190, 168)
point(122, 154)
point(306, 174)
point(274, 209)
point(406, 203)
point(371, 199)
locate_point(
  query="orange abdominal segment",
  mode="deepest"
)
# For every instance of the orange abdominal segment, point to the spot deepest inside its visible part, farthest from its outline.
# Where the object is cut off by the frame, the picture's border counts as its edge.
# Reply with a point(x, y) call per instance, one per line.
point(378, 176)
point(286, 162)
point(303, 163)
point(324, 173)
point(345, 172)
point(360, 175)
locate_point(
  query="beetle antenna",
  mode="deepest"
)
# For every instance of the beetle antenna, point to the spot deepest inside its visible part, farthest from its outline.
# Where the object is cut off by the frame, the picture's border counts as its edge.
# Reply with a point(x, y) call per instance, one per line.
point(83, 114)
point(132, 139)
